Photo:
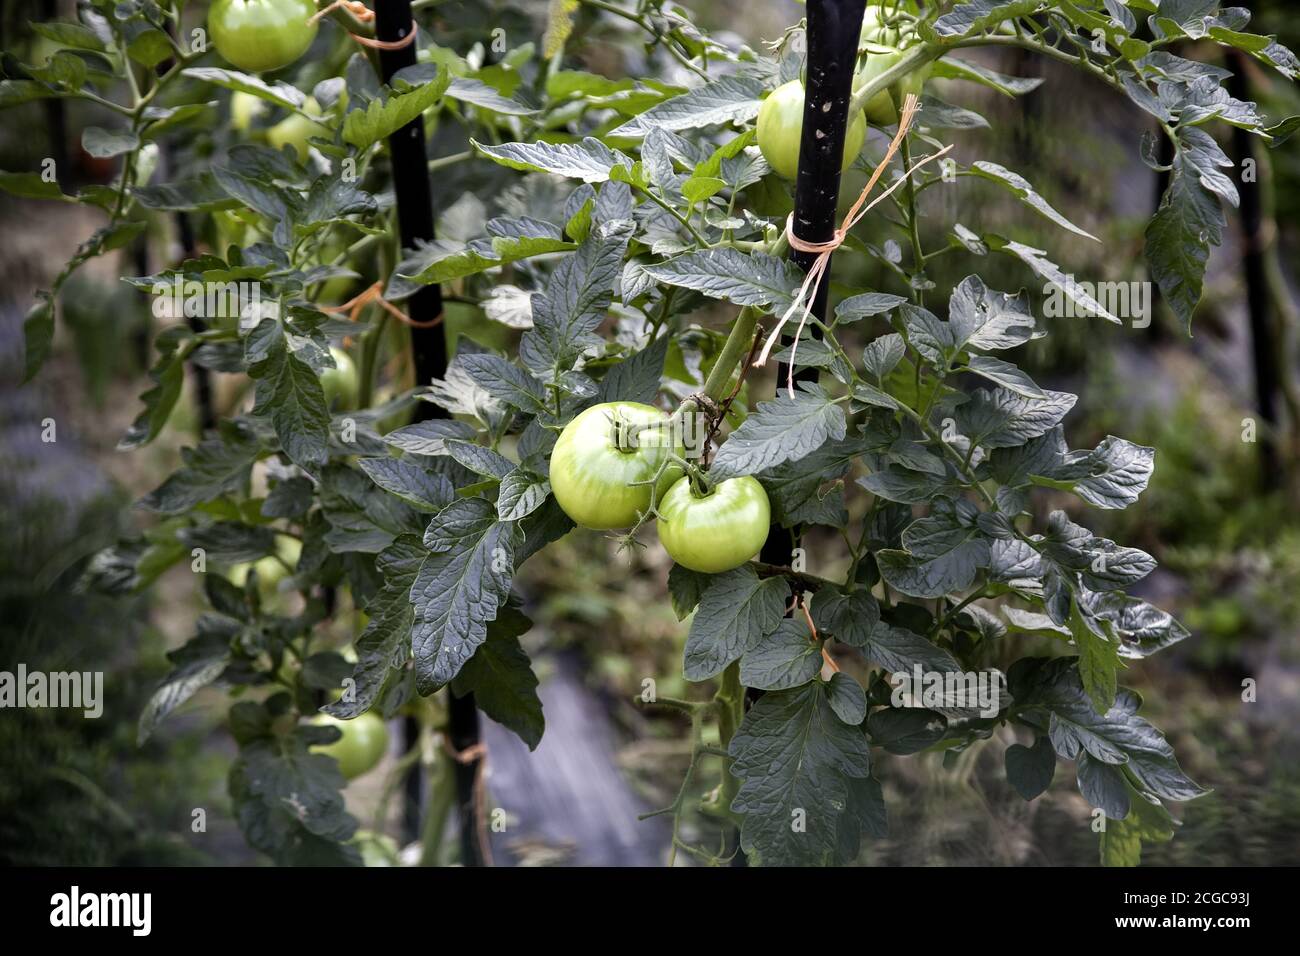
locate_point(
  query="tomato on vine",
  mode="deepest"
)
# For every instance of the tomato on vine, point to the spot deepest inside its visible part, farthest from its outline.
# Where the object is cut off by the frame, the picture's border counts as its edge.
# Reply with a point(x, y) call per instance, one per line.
point(718, 530)
point(605, 460)
point(341, 383)
point(780, 125)
point(258, 35)
point(362, 746)
point(296, 130)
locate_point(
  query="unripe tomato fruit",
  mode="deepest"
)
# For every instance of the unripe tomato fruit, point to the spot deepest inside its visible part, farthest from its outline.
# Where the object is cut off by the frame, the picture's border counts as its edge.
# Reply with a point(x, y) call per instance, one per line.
point(257, 35)
point(591, 475)
point(362, 746)
point(719, 531)
point(340, 383)
point(295, 130)
point(780, 125)
point(271, 570)
point(882, 109)
point(244, 109)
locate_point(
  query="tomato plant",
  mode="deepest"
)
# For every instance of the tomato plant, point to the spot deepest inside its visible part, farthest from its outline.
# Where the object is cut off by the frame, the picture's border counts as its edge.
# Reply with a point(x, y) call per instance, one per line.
point(607, 251)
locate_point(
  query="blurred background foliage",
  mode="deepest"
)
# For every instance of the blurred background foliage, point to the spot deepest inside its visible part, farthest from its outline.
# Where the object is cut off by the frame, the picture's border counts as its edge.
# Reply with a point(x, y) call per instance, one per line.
point(1219, 515)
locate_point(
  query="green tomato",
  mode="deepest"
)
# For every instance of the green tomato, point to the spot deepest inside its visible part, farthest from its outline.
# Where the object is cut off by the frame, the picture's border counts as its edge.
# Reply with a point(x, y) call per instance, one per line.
point(882, 25)
point(244, 109)
point(719, 531)
point(362, 746)
point(295, 130)
point(271, 570)
point(882, 109)
point(377, 849)
point(257, 35)
point(341, 383)
point(780, 123)
point(591, 476)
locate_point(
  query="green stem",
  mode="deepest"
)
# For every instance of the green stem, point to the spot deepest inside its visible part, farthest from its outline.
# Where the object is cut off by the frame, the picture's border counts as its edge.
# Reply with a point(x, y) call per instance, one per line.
point(912, 60)
point(731, 710)
point(734, 350)
point(913, 221)
point(442, 798)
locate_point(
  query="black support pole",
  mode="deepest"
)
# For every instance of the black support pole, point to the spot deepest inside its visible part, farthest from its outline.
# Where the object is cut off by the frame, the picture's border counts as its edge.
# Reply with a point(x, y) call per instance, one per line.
point(393, 21)
point(1263, 345)
point(834, 27)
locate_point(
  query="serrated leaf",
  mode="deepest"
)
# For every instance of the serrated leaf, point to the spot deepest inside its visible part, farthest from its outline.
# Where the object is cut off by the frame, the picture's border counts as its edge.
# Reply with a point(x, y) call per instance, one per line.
point(1117, 737)
point(289, 393)
point(636, 378)
point(281, 94)
point(736, 610)
point(501, 677)
point(784, 429)
point(787, 657)
point(732, 99)
point(521, 494)
point(460, 587)
point(1025, 192)
point(383, 117)
point(796, 761)
point(754, 279)
point(589, 160)
point(417, 486)
point(384, 647)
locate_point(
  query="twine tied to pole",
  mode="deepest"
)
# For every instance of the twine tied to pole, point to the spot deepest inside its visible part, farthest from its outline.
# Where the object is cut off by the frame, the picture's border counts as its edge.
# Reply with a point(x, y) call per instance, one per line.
point(808, 291)
point(475, 752)
point(364, 14)
point(374, 293)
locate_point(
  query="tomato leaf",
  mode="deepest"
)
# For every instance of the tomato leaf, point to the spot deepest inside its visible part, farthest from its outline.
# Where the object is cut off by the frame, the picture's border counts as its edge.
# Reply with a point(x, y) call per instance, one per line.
point(799, 765)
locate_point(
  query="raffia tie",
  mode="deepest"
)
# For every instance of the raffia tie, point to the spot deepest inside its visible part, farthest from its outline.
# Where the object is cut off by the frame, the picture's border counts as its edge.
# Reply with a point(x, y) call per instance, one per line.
point(803, 301)
point(475, 754)
point(374, 293)
point(363, 14)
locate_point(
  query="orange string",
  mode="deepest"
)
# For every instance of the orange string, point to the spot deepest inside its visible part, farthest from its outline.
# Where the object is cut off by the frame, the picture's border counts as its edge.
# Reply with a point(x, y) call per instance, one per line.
point(808, 291)
point(364, 14)
point(471, 754)
point(356, 305)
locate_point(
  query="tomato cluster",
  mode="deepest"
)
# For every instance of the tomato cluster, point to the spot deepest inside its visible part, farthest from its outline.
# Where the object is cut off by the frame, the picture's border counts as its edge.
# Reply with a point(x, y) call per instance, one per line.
point(605, 464)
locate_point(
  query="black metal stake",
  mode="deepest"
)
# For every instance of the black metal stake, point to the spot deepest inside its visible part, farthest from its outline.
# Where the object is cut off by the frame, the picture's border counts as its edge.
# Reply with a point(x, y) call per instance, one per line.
point(1264, 346)
point(833, 30)
point(414, 194)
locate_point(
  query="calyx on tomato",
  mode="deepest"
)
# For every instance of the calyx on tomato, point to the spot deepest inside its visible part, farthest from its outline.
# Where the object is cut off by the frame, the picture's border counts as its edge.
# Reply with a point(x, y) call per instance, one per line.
point(257, 35)
point(718, 530)
point(780, 127)
point(603, 454)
